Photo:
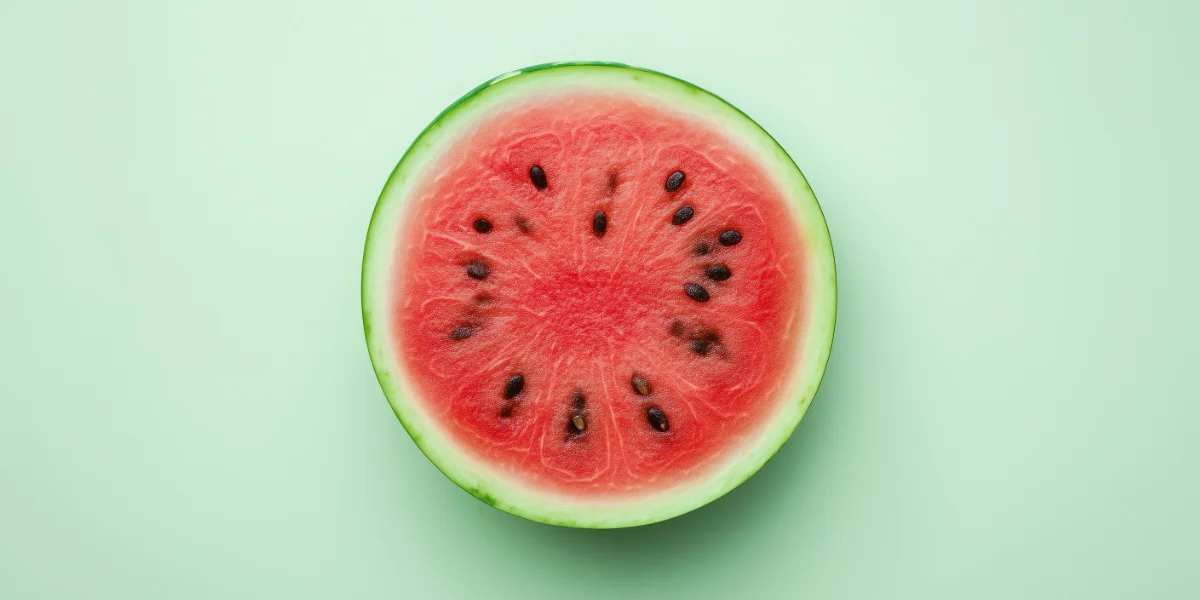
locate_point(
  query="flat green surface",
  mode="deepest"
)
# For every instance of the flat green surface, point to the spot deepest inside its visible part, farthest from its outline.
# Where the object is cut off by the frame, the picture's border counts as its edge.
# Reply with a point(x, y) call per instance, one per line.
point(1012, 409)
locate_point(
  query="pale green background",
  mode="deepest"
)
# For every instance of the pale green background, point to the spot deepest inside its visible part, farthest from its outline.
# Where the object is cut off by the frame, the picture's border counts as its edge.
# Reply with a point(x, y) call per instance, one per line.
point(1011, 410)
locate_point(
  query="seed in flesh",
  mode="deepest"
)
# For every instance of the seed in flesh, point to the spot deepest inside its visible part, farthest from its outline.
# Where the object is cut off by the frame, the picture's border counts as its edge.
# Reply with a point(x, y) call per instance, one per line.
point(640, 385)
point(683, 215)
point(704, 343)
point(730, 237)
point(599, 223)
point(538, 177)
point(462, 332)
point(577, 423)
point(702, 249)
point(507, 411)
point(522, 224)
point(513, 386)
point(676, 328)
point(657, 418)
point(483, 225)
point(696, 292)
point(478, 270)
point(674, 181)
point(718, 272)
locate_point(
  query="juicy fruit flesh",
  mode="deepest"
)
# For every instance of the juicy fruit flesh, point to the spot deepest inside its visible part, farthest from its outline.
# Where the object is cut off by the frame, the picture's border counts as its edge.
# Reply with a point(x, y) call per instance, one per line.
point(580, 311)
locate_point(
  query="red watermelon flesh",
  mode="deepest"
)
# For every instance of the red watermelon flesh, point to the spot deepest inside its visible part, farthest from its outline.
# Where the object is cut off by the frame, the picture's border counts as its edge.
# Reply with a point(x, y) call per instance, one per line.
point(632, 379)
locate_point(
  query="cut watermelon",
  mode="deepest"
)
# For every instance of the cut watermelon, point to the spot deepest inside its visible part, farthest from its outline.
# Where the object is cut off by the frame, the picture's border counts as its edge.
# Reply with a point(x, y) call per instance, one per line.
point(596, 295)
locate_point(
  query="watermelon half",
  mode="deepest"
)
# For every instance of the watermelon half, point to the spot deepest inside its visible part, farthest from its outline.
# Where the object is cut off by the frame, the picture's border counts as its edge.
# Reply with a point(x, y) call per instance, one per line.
point(597, 295)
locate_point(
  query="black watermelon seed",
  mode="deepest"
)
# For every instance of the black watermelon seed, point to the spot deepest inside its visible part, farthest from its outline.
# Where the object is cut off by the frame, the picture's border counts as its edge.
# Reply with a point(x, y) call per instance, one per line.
point(702, 249)
point(478, 270)
point(483, 225)
point(683, 215)
point(730, 237)
point(538, 177)
point(718, 272)
point(507, 411)
point(613, 181)
point(640, 385)
point(657, 418)
point(600, 223)
point(696, 292)
point(674, 181)
point(462, 332)
point(513, 386)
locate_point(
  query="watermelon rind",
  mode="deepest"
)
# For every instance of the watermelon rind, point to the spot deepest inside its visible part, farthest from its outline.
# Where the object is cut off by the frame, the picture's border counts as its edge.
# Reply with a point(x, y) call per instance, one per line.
point(507, 492)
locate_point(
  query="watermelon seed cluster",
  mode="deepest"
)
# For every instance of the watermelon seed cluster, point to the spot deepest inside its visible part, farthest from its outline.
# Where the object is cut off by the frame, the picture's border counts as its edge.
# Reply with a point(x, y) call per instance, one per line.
point(729, 237)
point(654, 415)
point(702, 342)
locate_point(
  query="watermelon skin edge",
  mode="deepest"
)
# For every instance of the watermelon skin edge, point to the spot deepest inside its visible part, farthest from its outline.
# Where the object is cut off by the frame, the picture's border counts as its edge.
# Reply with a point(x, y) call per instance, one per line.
point(570, 512)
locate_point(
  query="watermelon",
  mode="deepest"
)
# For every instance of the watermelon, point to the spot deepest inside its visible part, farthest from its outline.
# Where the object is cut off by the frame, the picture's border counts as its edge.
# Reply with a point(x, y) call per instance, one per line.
point(596, 295)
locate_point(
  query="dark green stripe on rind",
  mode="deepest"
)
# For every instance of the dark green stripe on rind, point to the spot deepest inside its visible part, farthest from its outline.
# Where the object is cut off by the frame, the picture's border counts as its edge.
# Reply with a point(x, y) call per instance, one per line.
point(384, 376)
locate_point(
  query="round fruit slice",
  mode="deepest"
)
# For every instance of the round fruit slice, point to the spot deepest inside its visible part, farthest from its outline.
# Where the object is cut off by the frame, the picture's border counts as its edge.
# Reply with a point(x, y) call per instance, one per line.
point(596, 295)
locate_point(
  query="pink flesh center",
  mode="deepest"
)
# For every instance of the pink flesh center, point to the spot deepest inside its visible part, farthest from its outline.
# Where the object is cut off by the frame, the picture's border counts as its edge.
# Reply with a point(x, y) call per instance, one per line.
point(631, 380)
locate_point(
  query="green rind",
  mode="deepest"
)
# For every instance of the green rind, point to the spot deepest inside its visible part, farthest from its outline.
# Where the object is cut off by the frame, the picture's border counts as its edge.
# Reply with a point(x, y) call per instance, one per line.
point(396, 397)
